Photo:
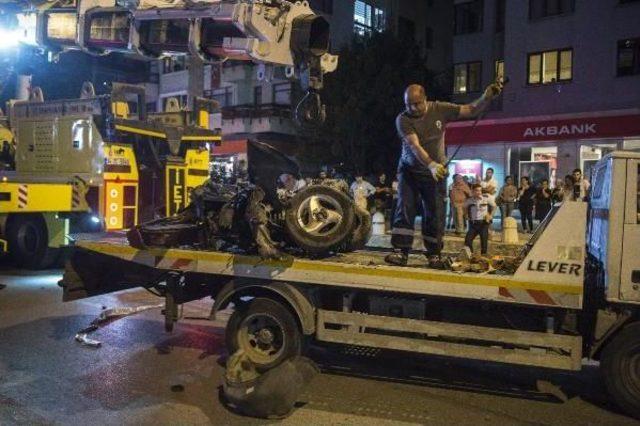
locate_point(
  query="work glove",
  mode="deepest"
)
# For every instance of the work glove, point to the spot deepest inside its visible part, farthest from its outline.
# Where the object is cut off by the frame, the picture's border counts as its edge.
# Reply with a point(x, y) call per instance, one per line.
point(438, 171)
point(488, 218)
point(493, 90)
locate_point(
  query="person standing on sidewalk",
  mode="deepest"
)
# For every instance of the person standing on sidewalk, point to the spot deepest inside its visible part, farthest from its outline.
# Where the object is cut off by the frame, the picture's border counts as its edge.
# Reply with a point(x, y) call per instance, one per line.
point(543, 200)
point(507, 198)
point(526, 193)
point(480, 208)
point(458, 195)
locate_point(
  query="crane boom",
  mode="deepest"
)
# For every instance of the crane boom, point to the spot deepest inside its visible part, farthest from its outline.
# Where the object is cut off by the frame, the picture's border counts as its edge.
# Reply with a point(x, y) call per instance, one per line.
point(272, 33)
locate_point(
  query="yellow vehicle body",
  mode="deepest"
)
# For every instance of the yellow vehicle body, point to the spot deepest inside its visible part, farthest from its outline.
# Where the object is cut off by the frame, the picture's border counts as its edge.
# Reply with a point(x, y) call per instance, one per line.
point(181, 178)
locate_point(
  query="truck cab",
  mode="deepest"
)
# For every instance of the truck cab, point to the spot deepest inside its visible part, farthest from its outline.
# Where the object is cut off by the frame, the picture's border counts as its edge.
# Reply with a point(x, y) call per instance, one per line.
point(613, 235)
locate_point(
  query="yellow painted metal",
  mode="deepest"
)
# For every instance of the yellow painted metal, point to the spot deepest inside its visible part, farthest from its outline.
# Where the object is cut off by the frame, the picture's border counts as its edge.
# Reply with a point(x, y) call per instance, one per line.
point(140, 131)
point(3, 246)
point(57, 229)
point(120, 109)
point(203, 119)
point(118, 212)
point(180, 179)
point(120, 162)
point(40, 197)
point(120, 177)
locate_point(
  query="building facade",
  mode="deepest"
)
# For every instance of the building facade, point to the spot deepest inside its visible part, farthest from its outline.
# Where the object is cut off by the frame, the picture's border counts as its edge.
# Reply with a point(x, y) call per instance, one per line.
point(574, 83)
point(263, 109)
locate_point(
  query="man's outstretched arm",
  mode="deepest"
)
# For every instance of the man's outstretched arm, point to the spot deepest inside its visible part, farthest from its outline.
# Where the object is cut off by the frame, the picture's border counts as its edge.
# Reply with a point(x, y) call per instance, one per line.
point(477, 107)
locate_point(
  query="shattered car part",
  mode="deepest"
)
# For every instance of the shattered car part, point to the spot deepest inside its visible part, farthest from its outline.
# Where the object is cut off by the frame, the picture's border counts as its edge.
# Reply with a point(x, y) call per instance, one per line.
point(256, 217)
point(106, 317)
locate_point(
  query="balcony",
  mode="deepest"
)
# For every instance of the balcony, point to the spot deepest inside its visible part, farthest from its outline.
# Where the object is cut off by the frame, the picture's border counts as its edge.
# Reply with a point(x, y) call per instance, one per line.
point(265, 118)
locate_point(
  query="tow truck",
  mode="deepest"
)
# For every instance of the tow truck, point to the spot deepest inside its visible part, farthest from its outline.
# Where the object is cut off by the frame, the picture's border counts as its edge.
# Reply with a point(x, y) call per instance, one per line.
point(574, 296)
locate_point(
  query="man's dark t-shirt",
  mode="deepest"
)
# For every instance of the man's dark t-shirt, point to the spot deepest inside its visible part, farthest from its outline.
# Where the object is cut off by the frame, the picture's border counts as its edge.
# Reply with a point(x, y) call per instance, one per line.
point(429, 128)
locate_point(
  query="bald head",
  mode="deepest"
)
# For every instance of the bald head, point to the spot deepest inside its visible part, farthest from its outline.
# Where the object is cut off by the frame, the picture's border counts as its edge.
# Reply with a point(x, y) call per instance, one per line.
point(415, 99)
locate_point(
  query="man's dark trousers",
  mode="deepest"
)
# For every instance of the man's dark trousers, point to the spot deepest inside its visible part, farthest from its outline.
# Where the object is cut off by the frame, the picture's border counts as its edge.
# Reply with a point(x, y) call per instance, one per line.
point(478, 227)
point(414, 182)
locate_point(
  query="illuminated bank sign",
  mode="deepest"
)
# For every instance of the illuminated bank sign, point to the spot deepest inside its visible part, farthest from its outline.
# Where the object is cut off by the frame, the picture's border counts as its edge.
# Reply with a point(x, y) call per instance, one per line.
point(529, 129)
point(568, 130)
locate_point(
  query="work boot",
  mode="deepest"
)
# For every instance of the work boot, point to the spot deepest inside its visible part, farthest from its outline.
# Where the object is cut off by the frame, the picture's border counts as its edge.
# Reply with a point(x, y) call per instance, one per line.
point(397, 258)
point(435, 261)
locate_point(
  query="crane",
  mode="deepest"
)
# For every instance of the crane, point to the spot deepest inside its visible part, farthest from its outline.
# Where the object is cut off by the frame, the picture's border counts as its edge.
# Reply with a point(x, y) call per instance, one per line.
point(270, 33)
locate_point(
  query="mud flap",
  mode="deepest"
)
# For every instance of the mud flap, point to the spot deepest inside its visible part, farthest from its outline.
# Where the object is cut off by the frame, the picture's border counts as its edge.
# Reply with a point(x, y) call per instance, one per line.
point(90, 274)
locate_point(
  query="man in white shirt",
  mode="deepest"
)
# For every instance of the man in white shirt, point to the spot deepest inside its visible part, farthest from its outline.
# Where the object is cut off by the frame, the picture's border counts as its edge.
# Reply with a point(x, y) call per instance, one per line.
point(480, 208)
point(490, 184)
point(361, 190)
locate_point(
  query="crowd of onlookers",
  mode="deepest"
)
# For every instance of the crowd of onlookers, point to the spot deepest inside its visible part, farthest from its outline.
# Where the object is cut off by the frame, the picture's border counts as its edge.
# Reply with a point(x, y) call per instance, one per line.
point(532, 201)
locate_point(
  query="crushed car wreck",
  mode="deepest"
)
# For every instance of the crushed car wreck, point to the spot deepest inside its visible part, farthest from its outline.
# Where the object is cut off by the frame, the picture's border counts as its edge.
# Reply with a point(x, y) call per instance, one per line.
point(257, 216)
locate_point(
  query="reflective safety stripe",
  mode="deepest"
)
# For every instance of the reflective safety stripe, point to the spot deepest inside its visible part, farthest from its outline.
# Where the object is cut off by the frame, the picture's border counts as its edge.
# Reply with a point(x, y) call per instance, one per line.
point(402, 231)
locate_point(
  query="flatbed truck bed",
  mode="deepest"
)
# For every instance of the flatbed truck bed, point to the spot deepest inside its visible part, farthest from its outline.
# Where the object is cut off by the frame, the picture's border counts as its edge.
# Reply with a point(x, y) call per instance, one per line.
point(365, 270)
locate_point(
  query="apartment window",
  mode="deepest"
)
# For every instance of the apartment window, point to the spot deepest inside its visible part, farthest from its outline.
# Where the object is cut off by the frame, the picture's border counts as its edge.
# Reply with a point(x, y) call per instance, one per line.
point(325, 6)
point(629, 57)
point(550, 67)
point(282, 94)
point(224, 96)
point(543, 8)
point(367, 19)
point(499, 69)
point(468, 17)
point(467, 78)
point(500, 15)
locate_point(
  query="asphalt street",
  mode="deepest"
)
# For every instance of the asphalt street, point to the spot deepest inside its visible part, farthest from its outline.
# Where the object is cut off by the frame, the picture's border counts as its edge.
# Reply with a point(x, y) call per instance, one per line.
point(142, 375)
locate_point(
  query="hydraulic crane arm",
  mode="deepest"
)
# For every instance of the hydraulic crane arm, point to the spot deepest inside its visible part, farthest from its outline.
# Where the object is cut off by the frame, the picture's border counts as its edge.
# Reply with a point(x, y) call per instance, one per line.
point(271, 33)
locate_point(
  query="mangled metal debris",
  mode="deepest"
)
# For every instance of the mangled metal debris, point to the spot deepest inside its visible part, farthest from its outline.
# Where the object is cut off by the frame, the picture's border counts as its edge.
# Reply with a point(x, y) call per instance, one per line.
point(107, 317)
point(258, 217)
point(466, 261)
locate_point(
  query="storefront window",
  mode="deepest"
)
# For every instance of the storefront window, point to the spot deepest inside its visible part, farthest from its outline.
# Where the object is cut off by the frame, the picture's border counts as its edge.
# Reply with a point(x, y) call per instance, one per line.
point(591, 154)
point(536, 163)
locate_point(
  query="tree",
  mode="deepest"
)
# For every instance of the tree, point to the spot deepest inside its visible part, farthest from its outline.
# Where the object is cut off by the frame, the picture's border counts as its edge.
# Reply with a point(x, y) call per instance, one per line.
point(364, 96)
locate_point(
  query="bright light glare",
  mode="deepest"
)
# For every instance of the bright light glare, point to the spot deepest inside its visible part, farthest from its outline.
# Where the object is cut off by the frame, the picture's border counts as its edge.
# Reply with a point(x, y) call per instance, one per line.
point(95, 219)
point(9, 38)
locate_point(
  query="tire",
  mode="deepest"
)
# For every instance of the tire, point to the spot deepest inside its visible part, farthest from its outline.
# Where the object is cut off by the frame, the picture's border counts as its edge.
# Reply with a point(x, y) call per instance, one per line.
point(29, 242)
point(318, 219)
point(620, 366)
point(361, 230)
point(282, 340)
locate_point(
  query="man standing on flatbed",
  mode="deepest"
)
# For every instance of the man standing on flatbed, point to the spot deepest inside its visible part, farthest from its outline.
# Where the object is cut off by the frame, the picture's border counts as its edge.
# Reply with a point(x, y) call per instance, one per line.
point(421, 169)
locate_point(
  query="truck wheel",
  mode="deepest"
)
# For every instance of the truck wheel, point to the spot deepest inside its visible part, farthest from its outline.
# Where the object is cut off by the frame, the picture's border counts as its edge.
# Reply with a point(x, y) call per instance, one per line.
point(29, 242)
point(266, 331)
point(620, 364)
point(319, 218)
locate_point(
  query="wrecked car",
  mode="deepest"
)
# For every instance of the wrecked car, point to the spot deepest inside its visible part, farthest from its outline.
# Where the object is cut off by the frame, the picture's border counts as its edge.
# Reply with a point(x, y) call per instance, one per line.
point(261, 216)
